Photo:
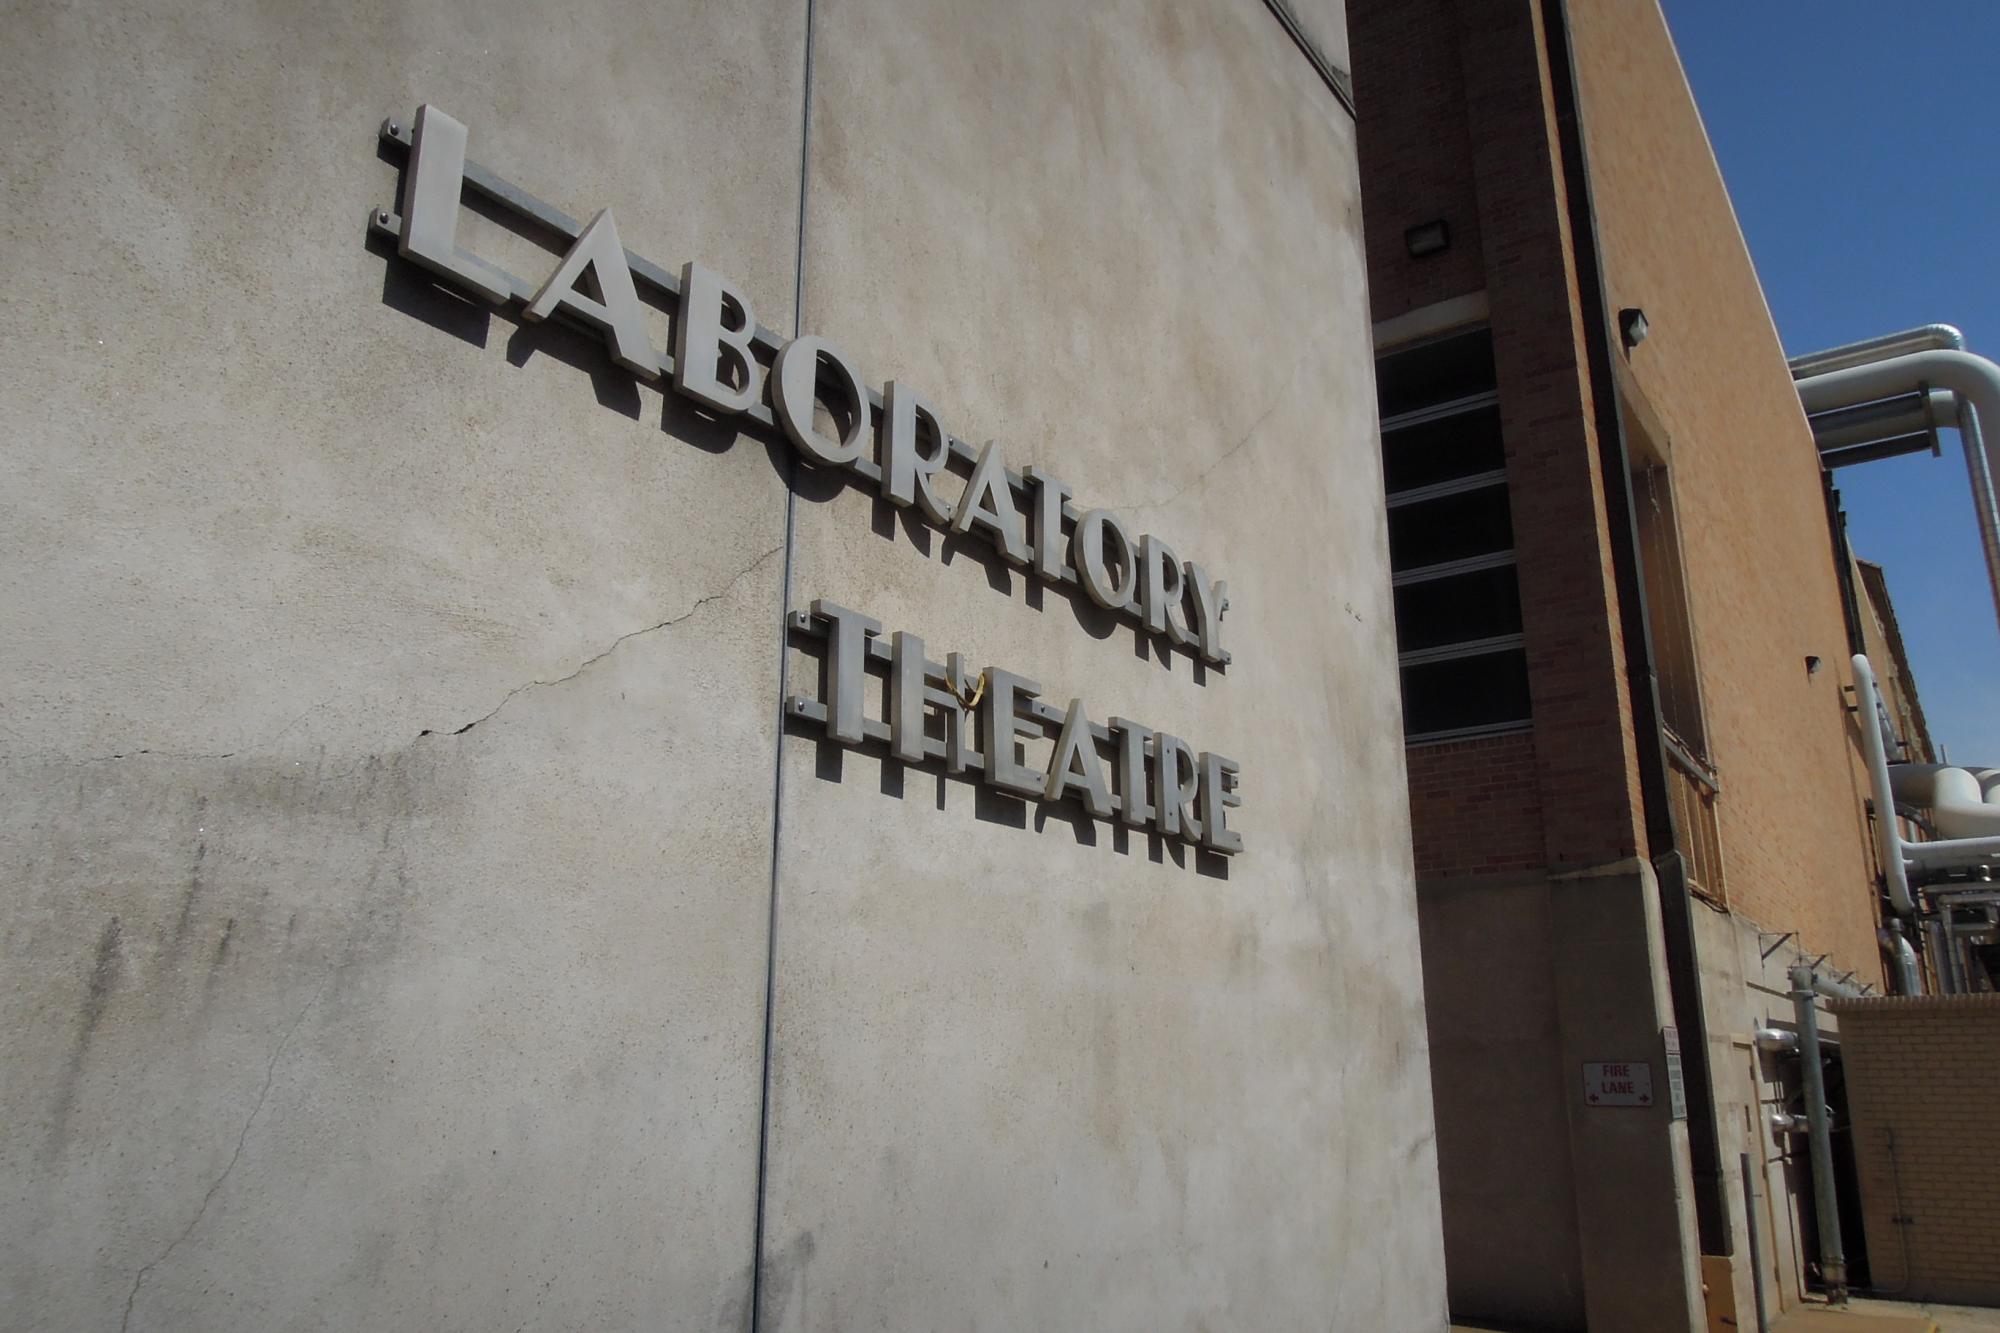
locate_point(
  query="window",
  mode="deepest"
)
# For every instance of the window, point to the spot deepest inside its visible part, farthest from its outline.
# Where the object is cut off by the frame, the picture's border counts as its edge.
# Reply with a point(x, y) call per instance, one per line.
point(1667, 612)
point(1693, 787)
point(1451, 539)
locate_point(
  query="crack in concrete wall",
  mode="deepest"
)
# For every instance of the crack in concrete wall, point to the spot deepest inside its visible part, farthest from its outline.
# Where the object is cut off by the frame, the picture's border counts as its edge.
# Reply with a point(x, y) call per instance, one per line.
point(236, 1155)
point(609, 649)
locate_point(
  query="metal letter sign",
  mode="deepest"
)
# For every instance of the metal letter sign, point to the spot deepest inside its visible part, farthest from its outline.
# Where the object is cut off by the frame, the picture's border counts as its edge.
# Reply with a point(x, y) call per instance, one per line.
point(1162, 783)
point(731, 365)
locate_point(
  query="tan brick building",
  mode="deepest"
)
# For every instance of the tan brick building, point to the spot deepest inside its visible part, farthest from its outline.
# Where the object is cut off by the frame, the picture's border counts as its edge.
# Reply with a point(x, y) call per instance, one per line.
point(1626, 613)
point(1923, 1084)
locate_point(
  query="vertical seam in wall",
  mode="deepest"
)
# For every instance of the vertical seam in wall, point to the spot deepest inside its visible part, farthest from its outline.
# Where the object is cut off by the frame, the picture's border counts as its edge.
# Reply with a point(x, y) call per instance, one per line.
point(784, 685)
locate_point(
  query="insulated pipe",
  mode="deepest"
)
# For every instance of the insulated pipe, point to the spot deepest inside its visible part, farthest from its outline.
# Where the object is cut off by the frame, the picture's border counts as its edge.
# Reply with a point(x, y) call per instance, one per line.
point(1979, 469)
point(1832, 1260)
point(1907, 424)
point(1923, 338)
point(1952, 795)
point(1903, 957)
point(1975, 381)
point(1898, 857)
point(1888, 839)
point(1913, 413)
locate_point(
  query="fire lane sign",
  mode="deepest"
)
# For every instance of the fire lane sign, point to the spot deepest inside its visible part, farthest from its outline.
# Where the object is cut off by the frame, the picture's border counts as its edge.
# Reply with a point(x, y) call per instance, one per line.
point(1617, 1083)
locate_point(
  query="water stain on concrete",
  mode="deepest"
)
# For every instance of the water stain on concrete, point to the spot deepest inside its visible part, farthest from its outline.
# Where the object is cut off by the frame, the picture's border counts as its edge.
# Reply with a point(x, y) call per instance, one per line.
point(106, 969)
point(785, 1270)
point(185, 920)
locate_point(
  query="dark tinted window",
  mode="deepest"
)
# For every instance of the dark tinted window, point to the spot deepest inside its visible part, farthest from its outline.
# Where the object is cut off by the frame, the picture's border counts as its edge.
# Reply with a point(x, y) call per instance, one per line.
point(1457, 366)
point(1452, 527)
point(1442, 450)
point(1481, 605)
point(1465, 692)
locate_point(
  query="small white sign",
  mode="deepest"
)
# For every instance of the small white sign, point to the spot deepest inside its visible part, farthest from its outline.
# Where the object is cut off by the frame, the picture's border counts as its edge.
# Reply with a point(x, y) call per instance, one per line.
point(1618, 1083)
point(1677, 1098)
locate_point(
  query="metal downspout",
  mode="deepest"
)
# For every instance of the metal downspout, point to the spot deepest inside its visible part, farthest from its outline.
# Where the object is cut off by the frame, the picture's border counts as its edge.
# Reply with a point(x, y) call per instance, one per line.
point(1826, 1206)
point(1642, 682)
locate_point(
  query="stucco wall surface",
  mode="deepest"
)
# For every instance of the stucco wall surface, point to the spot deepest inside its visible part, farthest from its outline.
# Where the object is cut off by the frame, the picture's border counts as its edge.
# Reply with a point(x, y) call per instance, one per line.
point(1022, 1063)
point(319, 1009)
point(390, 771)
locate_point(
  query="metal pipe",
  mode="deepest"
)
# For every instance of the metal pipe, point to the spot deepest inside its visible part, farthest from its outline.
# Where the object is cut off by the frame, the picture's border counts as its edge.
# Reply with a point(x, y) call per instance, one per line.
point(1756, 1246)
point(1776, 1039)
point(1896, 446)
point(1888, 838)
point(1923, 338)
point(1954, 978)
point(1934, 929)
point(1826, 1207)
point(1974, 379)
point(1837, 378)
point(1959, 808)
point(1979, 471)
point(1912, 413)
point(1902, 957)
point(1835, 988)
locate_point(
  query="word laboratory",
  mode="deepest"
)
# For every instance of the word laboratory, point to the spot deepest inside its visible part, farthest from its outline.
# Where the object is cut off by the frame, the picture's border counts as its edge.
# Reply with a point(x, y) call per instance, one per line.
point(717, 346)
point(1161, 781)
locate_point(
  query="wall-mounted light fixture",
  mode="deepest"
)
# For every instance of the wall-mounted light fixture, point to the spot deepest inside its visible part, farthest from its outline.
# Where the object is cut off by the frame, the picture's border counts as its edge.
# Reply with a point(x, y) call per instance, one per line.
point(1428, 238)
point(1813, 664)
point(1632, 326)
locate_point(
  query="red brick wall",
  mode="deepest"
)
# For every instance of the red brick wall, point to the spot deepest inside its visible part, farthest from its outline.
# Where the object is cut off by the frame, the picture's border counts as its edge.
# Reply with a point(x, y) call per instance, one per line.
point(1582, 717)
point(1923, 1091)
point(1488, 148)
point(1413, 131)
point(1478, 805)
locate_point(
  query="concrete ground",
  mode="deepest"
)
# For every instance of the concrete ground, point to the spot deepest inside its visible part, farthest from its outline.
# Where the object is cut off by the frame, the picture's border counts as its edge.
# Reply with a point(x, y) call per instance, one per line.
point(1870, 1316)
point(1860, 1316)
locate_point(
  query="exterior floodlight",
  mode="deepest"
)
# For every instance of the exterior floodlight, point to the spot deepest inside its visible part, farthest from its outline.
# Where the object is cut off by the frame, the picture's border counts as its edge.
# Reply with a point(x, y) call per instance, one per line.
point(1632, 327)
point(1428, 238)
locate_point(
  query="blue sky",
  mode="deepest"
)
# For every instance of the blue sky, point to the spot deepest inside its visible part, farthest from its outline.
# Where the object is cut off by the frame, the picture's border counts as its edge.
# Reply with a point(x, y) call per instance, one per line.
point(1861, 146)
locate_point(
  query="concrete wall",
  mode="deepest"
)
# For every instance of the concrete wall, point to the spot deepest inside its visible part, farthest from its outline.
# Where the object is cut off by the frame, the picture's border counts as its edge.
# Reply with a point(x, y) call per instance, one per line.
point(1558, 1214)
point(1745, 986)
point(1501, 1080)
point(390, 692)
point(1923, 1091)
point(1073, 1069)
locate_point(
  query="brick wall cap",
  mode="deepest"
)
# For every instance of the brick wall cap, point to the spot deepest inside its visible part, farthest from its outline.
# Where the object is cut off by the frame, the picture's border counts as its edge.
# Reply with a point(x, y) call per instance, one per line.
point(1915, 1004)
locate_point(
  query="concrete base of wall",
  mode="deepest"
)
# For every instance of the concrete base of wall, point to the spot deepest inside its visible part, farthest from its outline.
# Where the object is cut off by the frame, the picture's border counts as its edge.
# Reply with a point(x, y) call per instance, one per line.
point(1558, 1214)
